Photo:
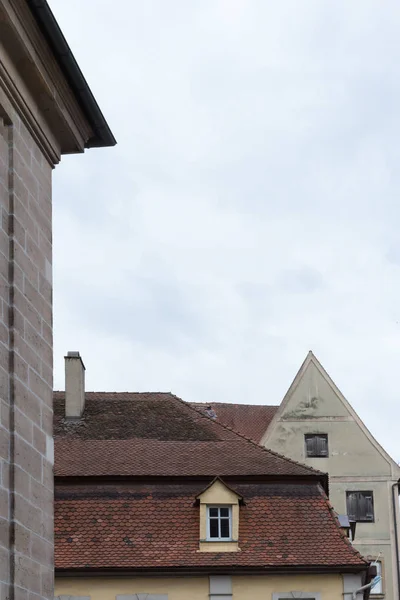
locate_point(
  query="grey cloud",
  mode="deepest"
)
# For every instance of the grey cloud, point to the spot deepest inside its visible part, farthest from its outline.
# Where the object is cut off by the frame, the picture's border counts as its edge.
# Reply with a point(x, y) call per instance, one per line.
point(302, 280)
point(250, 210)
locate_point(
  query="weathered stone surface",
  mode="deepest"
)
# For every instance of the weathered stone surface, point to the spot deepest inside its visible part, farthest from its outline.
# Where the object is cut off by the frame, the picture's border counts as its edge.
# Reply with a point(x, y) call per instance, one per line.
point(25, 361)
point(41, 118)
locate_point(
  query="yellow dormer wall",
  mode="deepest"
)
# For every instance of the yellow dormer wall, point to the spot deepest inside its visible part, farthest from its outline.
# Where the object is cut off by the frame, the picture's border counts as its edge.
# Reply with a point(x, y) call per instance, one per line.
point(219, 494)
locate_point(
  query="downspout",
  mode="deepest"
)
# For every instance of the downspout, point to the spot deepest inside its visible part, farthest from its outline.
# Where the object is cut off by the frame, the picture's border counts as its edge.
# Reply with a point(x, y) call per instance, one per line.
point(396, 535)
point(361, 589)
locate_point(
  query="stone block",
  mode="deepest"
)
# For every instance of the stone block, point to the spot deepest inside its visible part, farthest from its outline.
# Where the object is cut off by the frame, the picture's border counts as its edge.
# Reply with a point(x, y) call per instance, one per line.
point(28, 458)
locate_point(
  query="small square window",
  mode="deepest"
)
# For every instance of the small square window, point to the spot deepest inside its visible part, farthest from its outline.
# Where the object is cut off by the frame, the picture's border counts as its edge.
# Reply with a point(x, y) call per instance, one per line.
point(219, 523)
point(360, 506)
point(316, 444)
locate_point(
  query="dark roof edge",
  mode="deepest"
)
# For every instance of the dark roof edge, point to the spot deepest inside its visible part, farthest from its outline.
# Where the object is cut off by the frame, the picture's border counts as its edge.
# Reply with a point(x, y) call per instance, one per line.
point(199, 404)
point(55, 38)
point(324, 477)
point(181, 479)
point(223, 569)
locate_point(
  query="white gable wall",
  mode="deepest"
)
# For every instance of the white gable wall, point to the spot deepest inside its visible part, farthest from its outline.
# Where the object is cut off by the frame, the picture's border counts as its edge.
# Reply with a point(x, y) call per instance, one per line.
point(355, 460)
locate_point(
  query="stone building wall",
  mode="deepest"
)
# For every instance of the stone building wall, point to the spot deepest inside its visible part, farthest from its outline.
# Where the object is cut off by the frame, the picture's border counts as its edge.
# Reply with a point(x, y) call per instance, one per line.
point(26, 455)
point(46, 110)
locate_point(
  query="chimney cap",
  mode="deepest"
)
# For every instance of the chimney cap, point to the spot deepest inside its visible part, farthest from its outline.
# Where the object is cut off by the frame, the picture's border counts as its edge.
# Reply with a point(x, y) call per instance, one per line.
point(75, 354)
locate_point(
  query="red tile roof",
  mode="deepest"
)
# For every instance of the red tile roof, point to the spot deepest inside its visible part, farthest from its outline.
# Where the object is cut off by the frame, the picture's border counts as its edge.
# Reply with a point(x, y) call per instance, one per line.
point(157, 435)
point(252, 420)
point(157, 527)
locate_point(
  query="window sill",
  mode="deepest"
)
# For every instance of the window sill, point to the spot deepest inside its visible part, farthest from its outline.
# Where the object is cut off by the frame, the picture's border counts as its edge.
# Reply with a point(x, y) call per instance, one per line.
point(363, 522)
point(228, 546)
point(317, 456)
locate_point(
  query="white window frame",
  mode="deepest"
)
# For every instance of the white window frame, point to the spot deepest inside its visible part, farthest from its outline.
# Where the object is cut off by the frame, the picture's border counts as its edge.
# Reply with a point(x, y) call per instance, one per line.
point(219, 539)
point(378, 590)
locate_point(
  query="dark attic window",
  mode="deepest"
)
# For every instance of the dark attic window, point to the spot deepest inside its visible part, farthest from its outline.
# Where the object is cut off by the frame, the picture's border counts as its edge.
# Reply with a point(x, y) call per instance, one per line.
point(316, 444)
point(360, 506)
point(219, 526)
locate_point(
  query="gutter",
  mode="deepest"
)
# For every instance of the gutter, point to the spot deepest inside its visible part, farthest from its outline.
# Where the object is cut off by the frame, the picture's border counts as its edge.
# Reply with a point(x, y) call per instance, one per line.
point(54, 36)
point(172, 571)
point(396, 533)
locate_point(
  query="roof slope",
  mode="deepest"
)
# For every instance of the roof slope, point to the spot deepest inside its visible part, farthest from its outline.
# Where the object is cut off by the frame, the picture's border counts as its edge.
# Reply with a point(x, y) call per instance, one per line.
point(116, 531)
point(313, 382)
point(251, 420)
point(62, 53)
point(157, 434)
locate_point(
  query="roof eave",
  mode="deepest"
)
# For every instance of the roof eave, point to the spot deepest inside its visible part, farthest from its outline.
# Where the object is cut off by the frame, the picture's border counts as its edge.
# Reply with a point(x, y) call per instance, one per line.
point(50, 29)
point(210, 569)
point(232, 479)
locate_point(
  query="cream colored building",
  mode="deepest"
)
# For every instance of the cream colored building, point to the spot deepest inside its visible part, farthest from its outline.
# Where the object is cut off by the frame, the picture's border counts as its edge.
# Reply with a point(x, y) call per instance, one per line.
point(317, 426)
point(240, 587)
point(156, 501)
point(315, 418)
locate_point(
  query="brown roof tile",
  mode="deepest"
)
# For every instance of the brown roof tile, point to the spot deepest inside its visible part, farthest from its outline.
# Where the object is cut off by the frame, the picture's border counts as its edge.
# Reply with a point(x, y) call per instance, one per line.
point(151, 526)
point(252, 420)
point(127, 415)
point(157, 435)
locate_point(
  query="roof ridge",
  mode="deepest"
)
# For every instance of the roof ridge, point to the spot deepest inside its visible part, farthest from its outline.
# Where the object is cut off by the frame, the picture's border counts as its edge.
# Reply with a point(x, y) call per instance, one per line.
point(234, 404)
point(253, 442)
point(124, 392)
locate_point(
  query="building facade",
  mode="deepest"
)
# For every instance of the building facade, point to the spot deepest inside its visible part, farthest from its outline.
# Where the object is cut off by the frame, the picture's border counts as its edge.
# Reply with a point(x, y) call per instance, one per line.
point(46, 109)
point(156, 501)
point(317, 426)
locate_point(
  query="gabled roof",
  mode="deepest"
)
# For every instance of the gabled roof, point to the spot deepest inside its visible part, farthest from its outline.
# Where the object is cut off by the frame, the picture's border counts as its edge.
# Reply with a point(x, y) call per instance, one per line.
point(311, 359)
point(62, 53)
point(217, 480)
point(147, 520)
point(282, 526)
point(131, 434)
point(257, 422)
point(251, 420)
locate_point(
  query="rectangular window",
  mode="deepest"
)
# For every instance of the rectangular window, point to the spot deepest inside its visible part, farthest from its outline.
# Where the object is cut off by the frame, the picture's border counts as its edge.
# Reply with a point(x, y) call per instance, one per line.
point(360, 506)
point(219, 523)
point(316, 444)
point(220, 587)
point(377, 588)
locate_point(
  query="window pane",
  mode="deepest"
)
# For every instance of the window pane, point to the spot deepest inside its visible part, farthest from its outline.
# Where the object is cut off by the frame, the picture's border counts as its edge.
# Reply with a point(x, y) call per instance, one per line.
point(213, 512)
point(322, 445)
point(316, 444)
point(214, 528)
point(224, 512)
point(310, 446)
point(360, 506)
point(352, 506)
point(378, 587)
point(369, 508)
point(225, 533)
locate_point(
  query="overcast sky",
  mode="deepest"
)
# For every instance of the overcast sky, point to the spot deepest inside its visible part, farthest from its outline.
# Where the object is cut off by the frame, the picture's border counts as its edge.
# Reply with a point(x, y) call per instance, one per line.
point(250, 211)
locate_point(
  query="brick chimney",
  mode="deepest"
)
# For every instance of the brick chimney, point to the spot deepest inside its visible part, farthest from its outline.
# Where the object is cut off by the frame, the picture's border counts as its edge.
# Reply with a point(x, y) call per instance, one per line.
point(74, 386)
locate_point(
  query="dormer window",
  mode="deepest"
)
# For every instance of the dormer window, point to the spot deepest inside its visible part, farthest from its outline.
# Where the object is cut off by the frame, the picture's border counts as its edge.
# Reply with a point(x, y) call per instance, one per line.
point(219, 517)
point(219, 523)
